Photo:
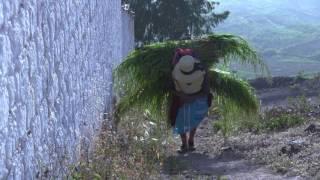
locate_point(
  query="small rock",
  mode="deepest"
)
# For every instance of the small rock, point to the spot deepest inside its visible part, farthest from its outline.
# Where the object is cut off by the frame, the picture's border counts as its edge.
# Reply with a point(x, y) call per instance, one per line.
point(226, 149)
point(188, 176)
point(284, 150)
point(313, 128)
point(293, 147)
point(205, 152)
point(282, 170)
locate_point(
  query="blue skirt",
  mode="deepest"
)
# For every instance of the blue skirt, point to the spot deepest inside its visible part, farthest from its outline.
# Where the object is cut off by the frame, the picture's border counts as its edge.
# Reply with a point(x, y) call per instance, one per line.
point(190, 115)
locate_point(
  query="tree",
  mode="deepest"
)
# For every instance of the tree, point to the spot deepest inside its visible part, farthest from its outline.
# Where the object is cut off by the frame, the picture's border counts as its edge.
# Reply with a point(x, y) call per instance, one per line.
point(159, 20)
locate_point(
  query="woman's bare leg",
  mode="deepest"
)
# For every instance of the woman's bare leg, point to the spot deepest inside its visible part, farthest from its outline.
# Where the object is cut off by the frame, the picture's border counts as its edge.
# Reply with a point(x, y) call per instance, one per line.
point(191, 136)
point(184, 147)
point(183, 139)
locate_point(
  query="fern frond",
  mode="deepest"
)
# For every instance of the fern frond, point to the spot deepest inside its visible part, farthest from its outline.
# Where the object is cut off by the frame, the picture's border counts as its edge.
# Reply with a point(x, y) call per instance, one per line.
point(233, 89)
point(144, 77)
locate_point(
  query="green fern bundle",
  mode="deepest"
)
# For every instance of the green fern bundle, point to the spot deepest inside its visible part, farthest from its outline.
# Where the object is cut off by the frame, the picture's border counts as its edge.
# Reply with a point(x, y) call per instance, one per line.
point(144, 77)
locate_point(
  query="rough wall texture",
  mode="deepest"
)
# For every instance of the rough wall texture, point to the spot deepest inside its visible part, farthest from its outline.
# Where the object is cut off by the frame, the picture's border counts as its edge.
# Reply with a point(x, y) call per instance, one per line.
point(127, 26)
point(56, 60)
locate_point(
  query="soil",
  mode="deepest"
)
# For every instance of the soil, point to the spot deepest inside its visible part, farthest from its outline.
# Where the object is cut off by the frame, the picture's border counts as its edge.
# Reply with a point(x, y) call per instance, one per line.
point(289, 154)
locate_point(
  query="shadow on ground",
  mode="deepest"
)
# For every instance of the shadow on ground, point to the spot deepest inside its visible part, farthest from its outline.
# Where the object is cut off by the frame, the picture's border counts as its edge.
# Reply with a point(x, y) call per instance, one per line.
point(226, 163)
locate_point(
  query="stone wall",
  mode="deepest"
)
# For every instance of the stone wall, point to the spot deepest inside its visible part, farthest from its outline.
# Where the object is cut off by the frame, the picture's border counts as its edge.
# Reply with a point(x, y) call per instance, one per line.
point(127, 24)
point(56, 61)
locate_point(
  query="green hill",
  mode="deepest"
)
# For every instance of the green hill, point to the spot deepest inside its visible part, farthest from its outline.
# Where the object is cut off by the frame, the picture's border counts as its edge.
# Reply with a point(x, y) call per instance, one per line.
point(286, 32)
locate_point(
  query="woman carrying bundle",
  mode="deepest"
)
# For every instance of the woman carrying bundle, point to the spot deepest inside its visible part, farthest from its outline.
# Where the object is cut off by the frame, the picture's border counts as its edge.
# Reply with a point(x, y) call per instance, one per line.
point(192, 96)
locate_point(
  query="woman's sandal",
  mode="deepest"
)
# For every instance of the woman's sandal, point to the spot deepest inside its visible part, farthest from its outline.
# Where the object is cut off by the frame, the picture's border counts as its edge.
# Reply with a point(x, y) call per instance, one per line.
point(191, 146)
point(183, 149)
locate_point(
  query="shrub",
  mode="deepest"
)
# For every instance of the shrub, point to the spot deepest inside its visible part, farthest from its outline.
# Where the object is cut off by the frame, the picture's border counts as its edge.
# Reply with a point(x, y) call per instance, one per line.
point(282, 122)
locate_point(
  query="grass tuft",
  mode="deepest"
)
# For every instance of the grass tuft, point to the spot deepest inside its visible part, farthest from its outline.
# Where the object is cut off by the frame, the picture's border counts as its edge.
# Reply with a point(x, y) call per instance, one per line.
point(136, 150)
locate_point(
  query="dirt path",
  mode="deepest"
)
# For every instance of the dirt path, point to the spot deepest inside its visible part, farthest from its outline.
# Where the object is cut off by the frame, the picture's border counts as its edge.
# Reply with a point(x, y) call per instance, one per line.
point(212, 160)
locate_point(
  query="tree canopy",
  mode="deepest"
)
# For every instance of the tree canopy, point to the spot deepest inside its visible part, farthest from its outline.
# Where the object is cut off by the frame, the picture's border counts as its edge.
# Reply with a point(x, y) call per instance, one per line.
point(160, 20)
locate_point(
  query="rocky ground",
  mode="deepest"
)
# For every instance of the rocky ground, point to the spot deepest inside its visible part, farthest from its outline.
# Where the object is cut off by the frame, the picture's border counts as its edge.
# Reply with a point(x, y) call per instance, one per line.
point(277, 92)
point(292, 153)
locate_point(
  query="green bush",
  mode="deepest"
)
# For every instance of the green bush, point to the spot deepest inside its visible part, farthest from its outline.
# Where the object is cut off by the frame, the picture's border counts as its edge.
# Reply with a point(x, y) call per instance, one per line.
point(283, 121)
point(272, 120)
point(232, 118)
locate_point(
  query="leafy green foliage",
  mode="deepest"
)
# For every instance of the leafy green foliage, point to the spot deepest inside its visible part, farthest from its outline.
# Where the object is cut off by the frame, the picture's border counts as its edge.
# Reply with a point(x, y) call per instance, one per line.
point(236, 90)
point(185, 18)
point(233, 117)
point(236, 102)
point(144, 78)
point(275, 119)
point(283, 121)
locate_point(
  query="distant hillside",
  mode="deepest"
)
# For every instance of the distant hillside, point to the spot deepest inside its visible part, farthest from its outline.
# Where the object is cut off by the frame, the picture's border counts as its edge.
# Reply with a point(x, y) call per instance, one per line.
point(285, 32)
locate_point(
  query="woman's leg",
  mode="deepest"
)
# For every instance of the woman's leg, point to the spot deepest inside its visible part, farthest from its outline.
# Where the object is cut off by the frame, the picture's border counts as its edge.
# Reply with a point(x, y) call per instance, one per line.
point(191, 138)
point(184, 147)
point(183, 139)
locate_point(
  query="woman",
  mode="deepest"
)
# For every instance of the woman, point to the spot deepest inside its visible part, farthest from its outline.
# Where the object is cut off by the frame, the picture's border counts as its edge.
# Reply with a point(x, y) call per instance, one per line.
point(192, 97)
